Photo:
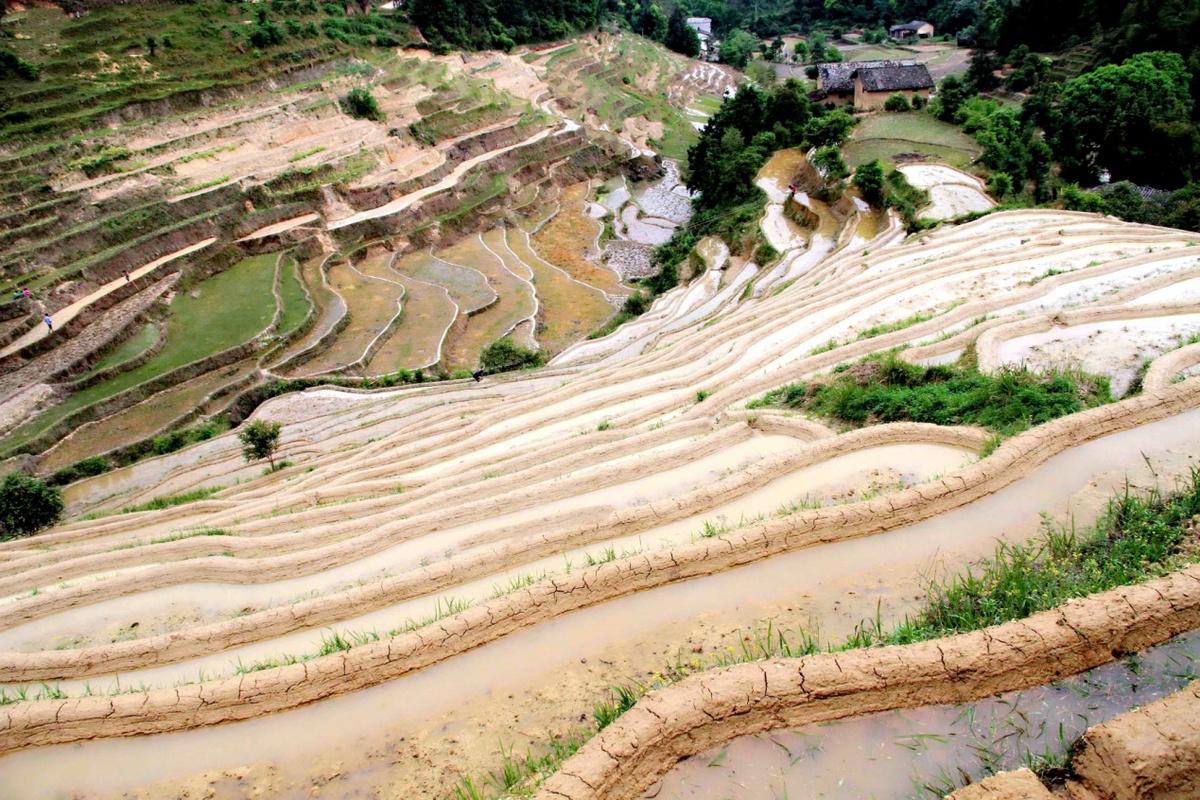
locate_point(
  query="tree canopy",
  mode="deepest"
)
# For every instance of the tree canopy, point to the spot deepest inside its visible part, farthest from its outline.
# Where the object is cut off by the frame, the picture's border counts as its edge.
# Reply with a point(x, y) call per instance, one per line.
point(1125, 118)
point(681, 37)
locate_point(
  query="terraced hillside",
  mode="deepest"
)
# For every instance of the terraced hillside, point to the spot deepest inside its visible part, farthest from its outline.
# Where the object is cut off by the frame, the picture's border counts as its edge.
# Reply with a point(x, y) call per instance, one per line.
point(448, 570)
point(403, 243)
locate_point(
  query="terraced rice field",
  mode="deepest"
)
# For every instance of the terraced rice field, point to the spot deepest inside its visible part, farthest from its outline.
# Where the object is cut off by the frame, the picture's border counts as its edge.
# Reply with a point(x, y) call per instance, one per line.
point(427, 312)
point(888, 137)
point(467, 287)
point(145, 419)
point(221, 312)
point(566, 238)
point(476, 557)
point(568, 308)
point(146, 337)
point(515, 302)
point(372, 302)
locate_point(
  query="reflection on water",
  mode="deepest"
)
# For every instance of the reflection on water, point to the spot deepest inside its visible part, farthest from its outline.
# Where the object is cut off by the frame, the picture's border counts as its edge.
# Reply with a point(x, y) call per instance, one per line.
point(927, 752)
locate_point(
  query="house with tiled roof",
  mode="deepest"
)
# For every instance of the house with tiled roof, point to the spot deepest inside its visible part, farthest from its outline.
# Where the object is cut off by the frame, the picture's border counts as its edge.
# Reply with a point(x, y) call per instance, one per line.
point(868, 84)
point(917, 29)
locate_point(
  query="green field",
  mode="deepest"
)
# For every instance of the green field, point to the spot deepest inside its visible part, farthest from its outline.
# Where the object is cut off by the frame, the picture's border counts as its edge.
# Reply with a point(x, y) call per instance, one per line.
point(295, 301)
point(134, 346)
point(885, 135)
point(217, 314)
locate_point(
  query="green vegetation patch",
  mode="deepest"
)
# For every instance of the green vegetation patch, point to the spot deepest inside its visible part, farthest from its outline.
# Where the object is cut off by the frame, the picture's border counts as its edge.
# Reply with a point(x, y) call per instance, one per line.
point(879, 390)
point(134, 346)
point(295, 301)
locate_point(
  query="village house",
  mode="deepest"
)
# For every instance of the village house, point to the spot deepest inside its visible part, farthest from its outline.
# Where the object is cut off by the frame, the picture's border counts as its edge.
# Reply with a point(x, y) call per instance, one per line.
point(703, 28)
point(868, 84)
point(917, 29)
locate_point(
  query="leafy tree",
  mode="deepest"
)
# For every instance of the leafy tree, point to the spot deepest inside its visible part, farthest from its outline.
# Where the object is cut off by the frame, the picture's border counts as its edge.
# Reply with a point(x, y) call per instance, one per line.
point(259, 440)
point(830, 129)
point(869, 180)
point(482, 24)
point(361, 104)
point(800, 49)
point(504, 354)
point(774, 52)
point(737, 48)
point(981, 72)
point(829, 161)
point(1000, 184)
point(1120, 117)
point(761, 73)
point(27, 505)
point(817, 42)
point(897, 102)
point(681, 37)
point(833, 55)
point(953, 92)
point(1012, 146)
point(12, 64)
point(652, 23)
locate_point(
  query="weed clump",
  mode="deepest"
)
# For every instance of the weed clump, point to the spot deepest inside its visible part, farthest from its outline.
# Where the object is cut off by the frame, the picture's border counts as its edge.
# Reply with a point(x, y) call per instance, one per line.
point(27, 505)
point(503, 355)
point(361, 104)
point(890, 390)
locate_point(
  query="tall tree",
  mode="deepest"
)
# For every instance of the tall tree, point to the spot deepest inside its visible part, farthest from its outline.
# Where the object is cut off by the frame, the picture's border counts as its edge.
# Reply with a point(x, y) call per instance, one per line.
point(737, 48)
point(1121, 117)
point(681, 37)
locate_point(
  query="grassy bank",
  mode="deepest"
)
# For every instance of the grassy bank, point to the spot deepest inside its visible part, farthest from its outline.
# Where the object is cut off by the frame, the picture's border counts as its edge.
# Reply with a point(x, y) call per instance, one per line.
point(1139, 537)
point(878, 390)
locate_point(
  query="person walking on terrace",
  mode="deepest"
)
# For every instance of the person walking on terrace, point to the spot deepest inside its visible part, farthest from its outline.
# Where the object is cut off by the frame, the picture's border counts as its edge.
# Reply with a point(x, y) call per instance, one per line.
point(49, 323)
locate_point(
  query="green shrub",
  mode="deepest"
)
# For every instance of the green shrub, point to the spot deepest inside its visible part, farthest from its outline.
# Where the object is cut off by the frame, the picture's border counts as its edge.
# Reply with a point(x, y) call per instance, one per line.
point(27, 504)
point(101, 162)
point(259, 440)
point(891, 390)
point(361, 104)
point(869, 180)
point(503, 355)
point(13, 64)
point(84, 468)
point(897, 102)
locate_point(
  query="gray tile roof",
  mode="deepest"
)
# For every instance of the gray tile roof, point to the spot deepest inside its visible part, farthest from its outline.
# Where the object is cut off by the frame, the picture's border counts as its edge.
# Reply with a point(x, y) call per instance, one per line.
point(896, 78)
point(877, 76)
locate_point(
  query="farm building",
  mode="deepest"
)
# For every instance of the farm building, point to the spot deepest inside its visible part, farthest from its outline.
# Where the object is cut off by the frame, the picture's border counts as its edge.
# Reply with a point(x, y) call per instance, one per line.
point(703, 28)
point(868, 84)
point(917, 29)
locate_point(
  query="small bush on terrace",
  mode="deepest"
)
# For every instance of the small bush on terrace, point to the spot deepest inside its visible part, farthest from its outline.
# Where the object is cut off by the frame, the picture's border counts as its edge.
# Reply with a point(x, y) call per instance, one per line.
point(897, 102)
point(361, 104)
point(259, 440)
point(891, 390)
point(27, 505)
point(504, 354)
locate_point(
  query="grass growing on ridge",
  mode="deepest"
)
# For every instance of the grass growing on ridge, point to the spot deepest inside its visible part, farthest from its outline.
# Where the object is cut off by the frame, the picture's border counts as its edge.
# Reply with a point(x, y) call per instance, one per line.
point(887, 389)
point(1139, 537)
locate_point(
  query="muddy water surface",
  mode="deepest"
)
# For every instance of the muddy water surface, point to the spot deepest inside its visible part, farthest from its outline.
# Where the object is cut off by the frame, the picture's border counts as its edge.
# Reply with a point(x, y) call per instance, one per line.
point(446, 717)
point(926, 752)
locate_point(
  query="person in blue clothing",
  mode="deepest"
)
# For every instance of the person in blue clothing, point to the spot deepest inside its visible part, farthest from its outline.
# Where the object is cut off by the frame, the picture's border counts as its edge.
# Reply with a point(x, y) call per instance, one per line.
point(49, 322)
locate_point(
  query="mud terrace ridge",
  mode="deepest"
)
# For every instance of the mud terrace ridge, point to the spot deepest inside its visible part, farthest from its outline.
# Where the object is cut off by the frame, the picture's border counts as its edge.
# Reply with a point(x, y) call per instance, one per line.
point(708, 709)
point(242, 697)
